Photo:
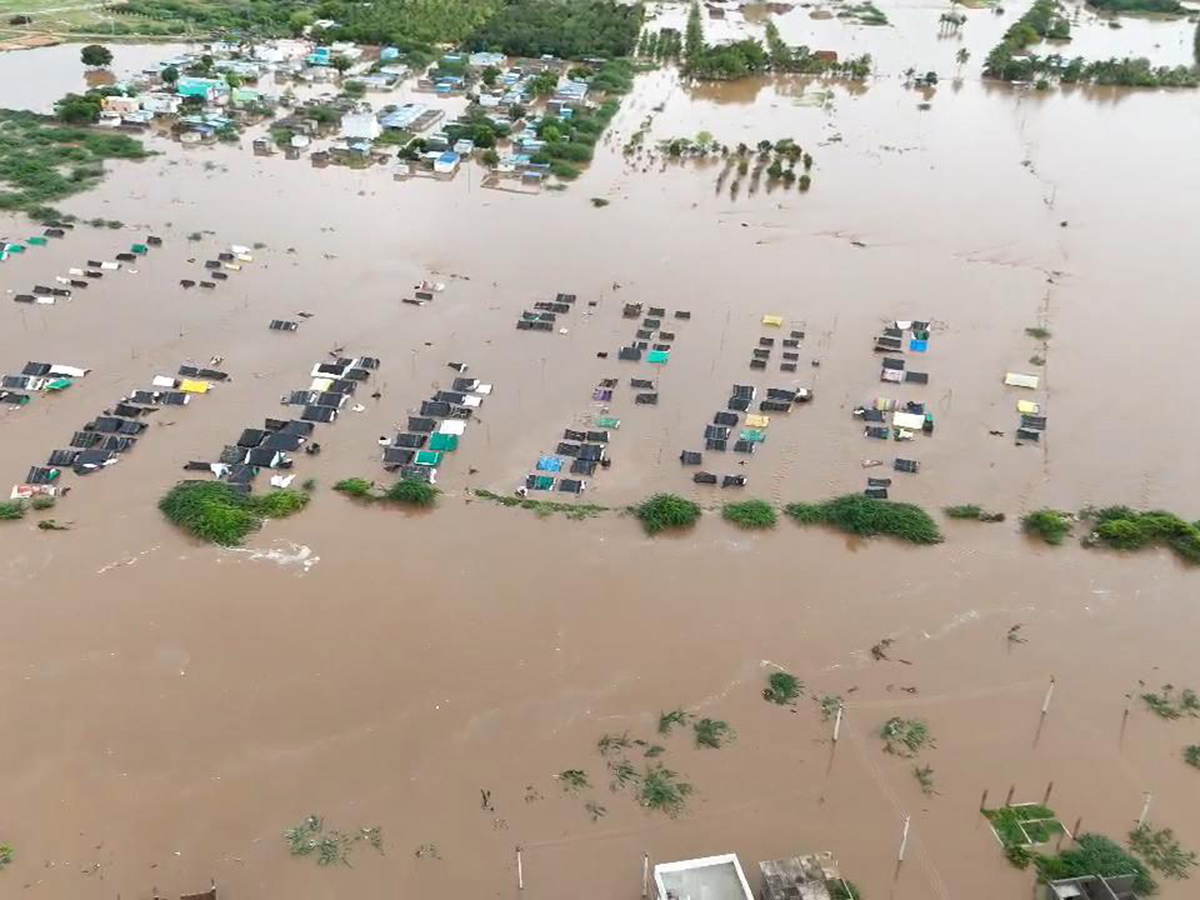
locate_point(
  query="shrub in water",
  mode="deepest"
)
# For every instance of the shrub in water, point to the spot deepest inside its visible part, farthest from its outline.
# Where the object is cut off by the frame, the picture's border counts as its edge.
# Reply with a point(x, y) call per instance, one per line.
point(214, 511)
point(1094, 854)
point(867, 517)
point(1128, 529)
point(413, 492)
point(782, 688)
point(1051, 525)
point(11, 509)
point(666, 511)
point(354, 487)
point(750, 514)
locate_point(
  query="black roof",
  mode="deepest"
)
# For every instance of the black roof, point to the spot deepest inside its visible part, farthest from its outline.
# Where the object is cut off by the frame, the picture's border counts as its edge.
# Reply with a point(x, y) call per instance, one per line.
point(251, 437)
point(319, 414)
point(704, 478)
point(415, 441)
point(419, 423)
point(690, 458)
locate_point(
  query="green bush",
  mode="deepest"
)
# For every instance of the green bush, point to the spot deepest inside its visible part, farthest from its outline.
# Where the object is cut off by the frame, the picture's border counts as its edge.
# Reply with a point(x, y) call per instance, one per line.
point(782, 688)
point(214, 511)
point(750, 514)
point(11, 510)
point(413, 492)
point(1094, 854)
point(666, 511)
point(355, 487)
point(41, 501)
point(972, 512)
point(1051, 525)
point(279, 504)
point(867, 517)
point(1128, 529)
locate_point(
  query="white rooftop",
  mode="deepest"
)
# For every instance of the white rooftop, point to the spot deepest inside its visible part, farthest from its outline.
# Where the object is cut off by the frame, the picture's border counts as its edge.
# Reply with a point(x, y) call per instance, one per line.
point(708, 878)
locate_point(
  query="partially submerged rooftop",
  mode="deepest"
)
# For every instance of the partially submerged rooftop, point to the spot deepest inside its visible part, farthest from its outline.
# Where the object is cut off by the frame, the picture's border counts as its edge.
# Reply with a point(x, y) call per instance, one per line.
point(798, 877)
point(1092, 887)
point(708, 878)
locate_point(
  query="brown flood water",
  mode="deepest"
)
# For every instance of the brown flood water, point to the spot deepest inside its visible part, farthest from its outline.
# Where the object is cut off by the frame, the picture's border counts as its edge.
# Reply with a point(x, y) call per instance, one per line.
point(171, 708)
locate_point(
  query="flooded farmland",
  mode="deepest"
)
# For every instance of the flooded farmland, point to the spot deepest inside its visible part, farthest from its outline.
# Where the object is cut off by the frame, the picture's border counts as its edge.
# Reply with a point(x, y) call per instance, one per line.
point(172, 707)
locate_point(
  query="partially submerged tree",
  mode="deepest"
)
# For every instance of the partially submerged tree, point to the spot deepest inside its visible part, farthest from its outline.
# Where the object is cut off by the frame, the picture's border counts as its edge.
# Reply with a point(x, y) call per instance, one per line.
point(95, 56)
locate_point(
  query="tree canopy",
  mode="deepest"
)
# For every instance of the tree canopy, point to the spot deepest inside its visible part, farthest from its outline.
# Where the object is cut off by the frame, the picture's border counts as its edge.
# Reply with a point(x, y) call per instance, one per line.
point(569, 30)
point(95, 55)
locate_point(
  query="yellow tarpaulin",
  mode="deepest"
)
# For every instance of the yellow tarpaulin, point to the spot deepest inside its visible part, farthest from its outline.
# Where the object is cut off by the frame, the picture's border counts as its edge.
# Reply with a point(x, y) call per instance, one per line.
point(1028, 407)
point(773, 320)
point(755, 421)
point(194, 387)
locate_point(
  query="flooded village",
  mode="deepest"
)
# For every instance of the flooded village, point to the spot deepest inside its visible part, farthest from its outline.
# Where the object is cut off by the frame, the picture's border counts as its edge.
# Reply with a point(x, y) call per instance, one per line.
point(550, 448)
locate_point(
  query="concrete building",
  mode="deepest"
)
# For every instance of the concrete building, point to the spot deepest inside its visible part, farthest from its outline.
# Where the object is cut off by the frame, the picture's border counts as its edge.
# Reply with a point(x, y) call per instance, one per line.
point(708, 878)
point(1092, 887)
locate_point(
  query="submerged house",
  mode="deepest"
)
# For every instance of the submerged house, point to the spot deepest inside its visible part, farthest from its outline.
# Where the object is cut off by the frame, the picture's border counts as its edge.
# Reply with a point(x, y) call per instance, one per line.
point(446, 163)
point(362, 126)
point(210, 90)
point(708, 878)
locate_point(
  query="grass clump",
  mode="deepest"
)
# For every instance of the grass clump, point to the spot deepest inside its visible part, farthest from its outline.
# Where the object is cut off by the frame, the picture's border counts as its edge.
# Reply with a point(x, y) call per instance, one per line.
point(664, 512)
point(41, 501)
point(924, 776)
point(214, 511)
point(311, 838)
point(1094, 854)
point(1162, 852)
point(713, 733)
point(972, 512)
point(308, 485)
point(662, 790)
point(867, 517)
point(52, 525)
point(905, 737)
point(783, 688)
point(668, 720)
point(599, 202)
point(623, 774)
point(1038, 333)
point(573, 779)
point(610, 743)
point(1166, 704)
point(750, 514)
point(1051, 525)
point(354, 487)
point(1123, 528)
point(6, 855)
point(544, 508)
point(1191, 755)
point(11, 510)
point(413, 492)
point(829, 705)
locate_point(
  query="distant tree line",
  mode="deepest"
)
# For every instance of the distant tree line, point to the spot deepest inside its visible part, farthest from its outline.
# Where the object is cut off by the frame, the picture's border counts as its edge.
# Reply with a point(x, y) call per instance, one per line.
point(1010, 60)
point(568, 29)
point(748, 56)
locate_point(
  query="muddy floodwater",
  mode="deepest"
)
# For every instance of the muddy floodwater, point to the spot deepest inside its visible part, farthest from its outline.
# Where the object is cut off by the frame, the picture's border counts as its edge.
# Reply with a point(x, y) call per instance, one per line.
point(170, 708)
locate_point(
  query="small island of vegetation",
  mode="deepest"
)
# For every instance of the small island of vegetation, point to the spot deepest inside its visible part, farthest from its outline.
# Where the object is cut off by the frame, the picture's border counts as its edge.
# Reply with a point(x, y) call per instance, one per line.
point(220, 514)
point(867, 517)
point(1010, 60)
